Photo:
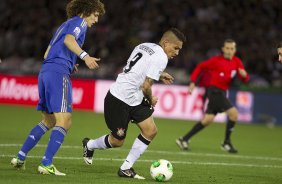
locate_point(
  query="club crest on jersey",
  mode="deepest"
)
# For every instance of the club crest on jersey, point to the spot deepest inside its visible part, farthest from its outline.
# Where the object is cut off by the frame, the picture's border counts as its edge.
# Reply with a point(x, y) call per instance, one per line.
point(120, 132)
point(76, 31)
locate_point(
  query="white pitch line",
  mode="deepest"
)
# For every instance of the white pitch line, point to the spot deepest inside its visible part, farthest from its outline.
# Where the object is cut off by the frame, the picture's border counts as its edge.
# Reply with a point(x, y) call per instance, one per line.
point(174, 162)
point(168, 153)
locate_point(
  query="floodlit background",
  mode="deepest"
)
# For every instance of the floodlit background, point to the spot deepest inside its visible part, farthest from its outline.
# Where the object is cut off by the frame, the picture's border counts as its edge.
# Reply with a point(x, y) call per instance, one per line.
point(27, 26)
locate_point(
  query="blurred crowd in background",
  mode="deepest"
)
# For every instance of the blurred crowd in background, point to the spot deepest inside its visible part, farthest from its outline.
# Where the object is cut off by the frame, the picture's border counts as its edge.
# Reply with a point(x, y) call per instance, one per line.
point(26, 28)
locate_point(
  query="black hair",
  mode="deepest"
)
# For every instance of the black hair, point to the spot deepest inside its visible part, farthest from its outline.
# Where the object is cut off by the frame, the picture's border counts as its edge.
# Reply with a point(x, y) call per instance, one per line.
point(229, 40)
point(178, 34)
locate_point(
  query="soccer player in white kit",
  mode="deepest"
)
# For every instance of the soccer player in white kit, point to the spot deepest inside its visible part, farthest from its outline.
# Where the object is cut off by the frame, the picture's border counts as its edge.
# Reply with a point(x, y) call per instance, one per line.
point(130, 99)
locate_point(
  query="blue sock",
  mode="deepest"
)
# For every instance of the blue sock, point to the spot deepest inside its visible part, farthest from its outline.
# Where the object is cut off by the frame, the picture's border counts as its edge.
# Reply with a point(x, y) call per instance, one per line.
point(32, 139)
point(56, 140)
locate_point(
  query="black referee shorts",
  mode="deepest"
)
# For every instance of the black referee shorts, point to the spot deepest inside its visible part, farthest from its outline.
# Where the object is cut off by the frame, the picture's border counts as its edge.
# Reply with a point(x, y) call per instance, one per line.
point(218, 101)
point(118, 114)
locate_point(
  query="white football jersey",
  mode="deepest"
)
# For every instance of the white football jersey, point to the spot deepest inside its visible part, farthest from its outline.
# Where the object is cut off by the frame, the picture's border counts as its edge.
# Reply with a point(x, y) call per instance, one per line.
point(146, 60)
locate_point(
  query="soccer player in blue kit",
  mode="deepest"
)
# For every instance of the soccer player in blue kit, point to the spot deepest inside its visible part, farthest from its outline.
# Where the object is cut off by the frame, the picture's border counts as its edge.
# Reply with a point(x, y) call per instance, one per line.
point(54, 84)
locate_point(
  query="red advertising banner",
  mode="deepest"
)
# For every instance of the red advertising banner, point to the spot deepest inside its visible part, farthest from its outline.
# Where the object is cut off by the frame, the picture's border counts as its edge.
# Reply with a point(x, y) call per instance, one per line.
point(24, 90)
point(174, 101)
point(18, 90)
point(83, 92)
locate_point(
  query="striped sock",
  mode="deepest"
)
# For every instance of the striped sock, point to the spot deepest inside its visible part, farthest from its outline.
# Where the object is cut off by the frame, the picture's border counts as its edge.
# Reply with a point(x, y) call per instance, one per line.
point(99, 143)
point(56, 140)
point(34, 136)
point(138, 148)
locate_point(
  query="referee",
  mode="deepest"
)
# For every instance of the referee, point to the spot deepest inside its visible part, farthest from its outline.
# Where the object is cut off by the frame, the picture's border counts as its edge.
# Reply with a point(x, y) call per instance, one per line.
point(222, 70)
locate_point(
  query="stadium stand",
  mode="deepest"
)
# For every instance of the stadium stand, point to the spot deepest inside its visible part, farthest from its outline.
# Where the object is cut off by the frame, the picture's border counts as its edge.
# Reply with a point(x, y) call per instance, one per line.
point(255, 24)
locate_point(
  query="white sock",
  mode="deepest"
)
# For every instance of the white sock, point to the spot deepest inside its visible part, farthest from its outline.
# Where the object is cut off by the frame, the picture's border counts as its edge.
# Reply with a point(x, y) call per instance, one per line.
point(98, 143)
point(138, 148)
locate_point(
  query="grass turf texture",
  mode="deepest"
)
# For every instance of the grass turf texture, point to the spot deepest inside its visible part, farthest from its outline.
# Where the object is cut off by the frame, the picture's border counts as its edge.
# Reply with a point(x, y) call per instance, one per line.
point(259, 159)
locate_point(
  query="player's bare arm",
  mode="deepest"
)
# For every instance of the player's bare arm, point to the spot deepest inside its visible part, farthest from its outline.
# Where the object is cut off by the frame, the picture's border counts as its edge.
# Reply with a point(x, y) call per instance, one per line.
point(191, 87)
point(72, 45)
point(147, 91)
point(166, 78)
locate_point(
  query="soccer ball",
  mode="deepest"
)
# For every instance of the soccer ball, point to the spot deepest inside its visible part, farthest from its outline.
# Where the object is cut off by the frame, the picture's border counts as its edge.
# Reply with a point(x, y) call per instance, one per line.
point(161, 170)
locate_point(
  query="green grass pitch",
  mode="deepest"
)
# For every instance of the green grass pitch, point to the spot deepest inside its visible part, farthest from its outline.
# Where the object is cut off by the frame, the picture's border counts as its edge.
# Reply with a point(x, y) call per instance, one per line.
point(259, 159)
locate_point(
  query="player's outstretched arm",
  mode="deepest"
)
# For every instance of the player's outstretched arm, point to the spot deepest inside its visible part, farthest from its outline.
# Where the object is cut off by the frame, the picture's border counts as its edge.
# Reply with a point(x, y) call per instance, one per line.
point(73, 46)
point(166, 78)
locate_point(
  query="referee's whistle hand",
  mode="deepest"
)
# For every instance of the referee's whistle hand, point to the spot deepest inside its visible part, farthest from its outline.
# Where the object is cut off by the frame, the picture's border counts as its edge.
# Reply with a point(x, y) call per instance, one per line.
point(191, 87)
point(242, 72)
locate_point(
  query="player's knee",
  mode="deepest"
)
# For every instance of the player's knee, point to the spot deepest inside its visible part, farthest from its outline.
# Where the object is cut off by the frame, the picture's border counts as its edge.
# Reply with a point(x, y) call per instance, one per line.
point(49, 124)
point(63, 119)
point(207, 121)
point(48, 120)
point(154, 131)
point(114, 142)
point(233, 115)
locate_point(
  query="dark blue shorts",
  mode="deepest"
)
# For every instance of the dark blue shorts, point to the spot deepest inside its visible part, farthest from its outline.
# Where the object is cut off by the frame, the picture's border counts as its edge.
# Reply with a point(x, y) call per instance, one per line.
point(55, 92)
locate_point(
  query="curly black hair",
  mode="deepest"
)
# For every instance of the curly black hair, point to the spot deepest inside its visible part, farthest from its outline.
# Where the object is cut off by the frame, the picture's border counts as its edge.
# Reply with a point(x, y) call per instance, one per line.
point(85, 7)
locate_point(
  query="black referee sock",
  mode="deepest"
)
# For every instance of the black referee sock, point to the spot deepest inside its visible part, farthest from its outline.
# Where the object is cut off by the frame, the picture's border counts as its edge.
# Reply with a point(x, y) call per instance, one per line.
point(199, 126)
point(229, 128)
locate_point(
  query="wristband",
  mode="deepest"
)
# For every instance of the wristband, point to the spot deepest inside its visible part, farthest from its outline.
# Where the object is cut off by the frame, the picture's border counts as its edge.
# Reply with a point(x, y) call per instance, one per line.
point(82, 55)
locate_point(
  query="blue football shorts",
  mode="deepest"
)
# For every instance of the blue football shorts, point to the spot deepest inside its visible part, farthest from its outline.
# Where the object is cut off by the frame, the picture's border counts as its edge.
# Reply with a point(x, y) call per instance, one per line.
point(55, 92)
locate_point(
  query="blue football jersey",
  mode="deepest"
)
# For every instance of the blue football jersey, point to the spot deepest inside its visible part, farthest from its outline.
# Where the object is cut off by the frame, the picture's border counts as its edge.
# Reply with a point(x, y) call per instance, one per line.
point(59, 54)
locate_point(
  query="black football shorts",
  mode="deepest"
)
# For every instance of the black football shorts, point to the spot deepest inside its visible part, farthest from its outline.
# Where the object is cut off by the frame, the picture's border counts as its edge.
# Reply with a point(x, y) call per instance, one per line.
point(218, 102)
point(118, 114)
